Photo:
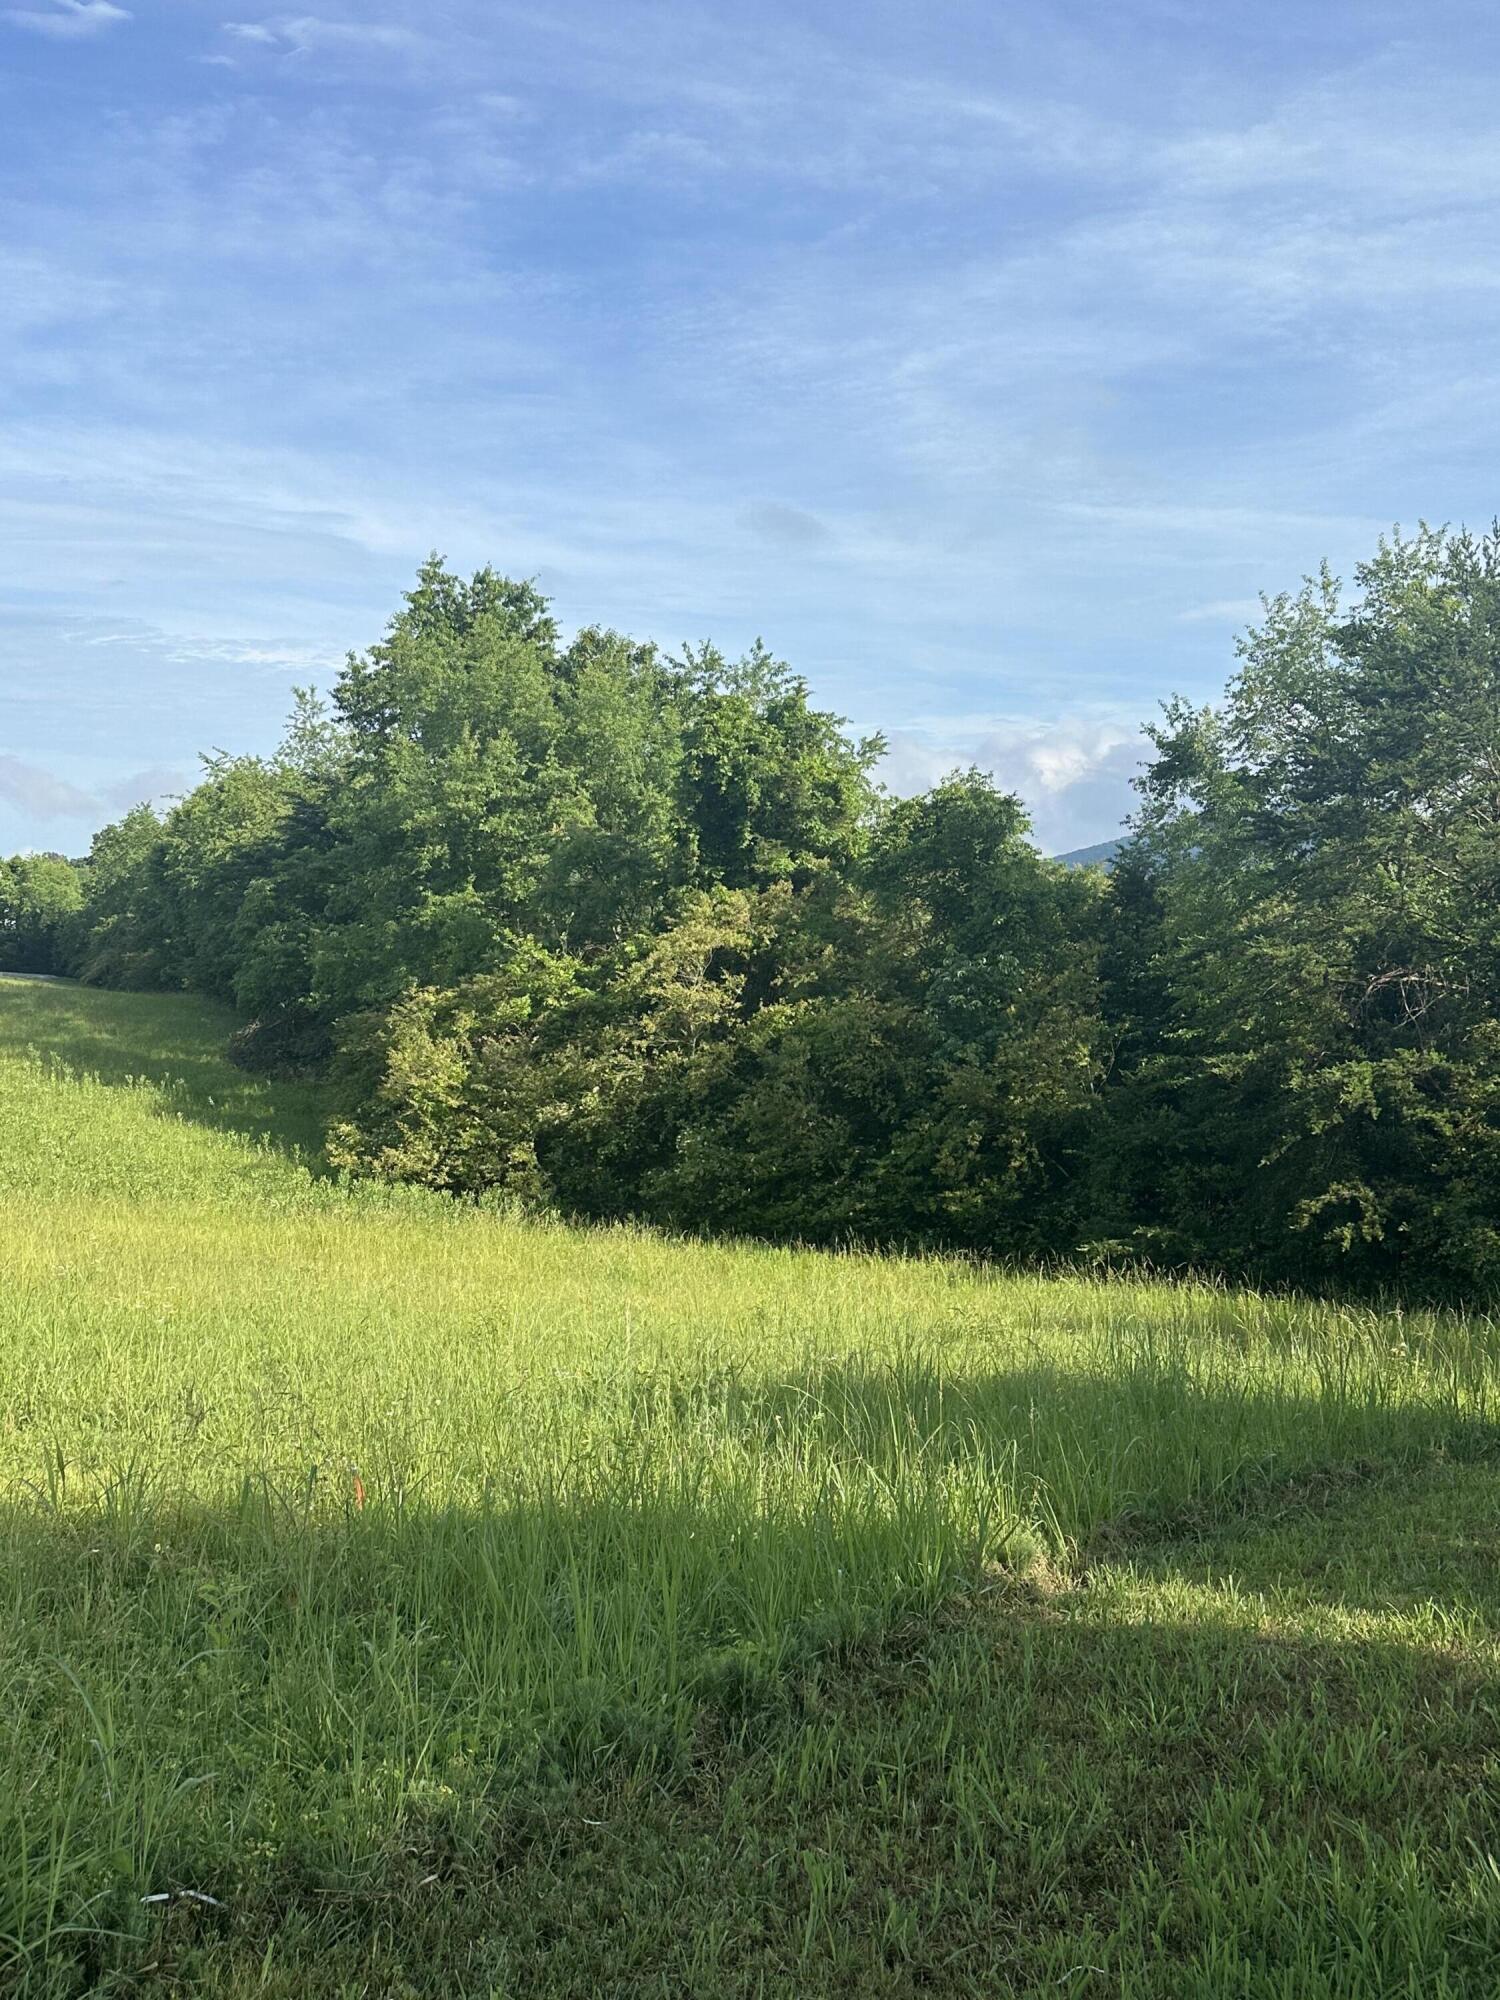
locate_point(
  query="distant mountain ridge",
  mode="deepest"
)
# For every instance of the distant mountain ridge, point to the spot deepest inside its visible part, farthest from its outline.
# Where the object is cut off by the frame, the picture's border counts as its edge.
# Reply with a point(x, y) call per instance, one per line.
point(1100, 855)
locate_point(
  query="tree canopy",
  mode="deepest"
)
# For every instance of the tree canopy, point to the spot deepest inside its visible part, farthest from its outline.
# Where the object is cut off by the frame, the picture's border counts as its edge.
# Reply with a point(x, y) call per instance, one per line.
point(627, 934)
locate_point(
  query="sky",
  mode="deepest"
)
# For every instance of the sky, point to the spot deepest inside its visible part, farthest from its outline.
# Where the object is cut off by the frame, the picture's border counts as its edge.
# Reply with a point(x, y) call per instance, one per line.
point(988, 360)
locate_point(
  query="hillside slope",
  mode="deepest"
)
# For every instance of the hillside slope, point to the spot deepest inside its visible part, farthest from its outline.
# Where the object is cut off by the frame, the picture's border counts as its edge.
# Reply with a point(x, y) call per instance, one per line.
point(1100, 855)
point(403, 1598)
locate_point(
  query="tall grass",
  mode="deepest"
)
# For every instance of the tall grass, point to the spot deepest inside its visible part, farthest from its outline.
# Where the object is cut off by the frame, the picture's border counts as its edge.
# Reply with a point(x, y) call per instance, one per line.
point(326, 1507)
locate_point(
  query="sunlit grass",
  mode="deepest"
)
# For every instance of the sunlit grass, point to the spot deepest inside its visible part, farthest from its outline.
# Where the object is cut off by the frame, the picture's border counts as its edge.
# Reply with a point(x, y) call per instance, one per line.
point(345, 1529)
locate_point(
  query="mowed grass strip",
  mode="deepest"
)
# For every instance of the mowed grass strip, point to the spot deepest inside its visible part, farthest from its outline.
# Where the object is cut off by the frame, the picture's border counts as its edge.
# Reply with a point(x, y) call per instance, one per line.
point(467, 1605)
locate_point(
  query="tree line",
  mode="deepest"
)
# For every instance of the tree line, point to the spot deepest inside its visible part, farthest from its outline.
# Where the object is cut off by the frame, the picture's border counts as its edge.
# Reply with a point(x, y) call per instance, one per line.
point(620, 934)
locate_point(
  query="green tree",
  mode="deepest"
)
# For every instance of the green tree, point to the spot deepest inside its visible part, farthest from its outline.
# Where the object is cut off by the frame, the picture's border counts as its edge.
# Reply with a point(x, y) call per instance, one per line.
point(619, 852)
point(449, 794)
point(771, 787)
point(1326, 848)
point(912, 1056)
point(226, 835)
point(124, 941)
point(41, 896)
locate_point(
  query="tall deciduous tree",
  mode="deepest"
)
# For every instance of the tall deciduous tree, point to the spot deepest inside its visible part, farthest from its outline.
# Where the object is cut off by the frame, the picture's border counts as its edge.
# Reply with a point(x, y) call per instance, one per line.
point(1324, 1096)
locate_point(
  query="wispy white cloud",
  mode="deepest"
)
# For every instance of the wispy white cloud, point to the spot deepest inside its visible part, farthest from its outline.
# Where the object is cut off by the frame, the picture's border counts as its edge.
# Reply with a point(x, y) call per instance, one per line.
point(288, 656)
point(299, 34)
point(315, 30)
point(39, 291)
point(69, 20)
point(1223, 611)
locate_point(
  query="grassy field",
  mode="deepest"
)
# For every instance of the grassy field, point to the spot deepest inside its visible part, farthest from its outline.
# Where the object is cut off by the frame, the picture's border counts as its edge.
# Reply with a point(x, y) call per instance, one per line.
point(401, 1599)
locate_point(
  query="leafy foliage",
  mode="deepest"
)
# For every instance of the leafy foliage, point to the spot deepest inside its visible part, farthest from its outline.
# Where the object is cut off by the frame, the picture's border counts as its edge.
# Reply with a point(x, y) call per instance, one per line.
point(1321, 1085)
point(41, 896)
point(623, 934)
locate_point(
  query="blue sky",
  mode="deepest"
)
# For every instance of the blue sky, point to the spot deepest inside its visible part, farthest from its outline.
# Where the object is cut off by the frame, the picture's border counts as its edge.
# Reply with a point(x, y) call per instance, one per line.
point(988, 359)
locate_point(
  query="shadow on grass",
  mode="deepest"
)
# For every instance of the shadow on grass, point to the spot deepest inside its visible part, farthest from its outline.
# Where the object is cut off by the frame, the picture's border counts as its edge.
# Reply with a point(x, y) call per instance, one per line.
point(170, 1039)
point(1028, 1788)
point(1130, 1448)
